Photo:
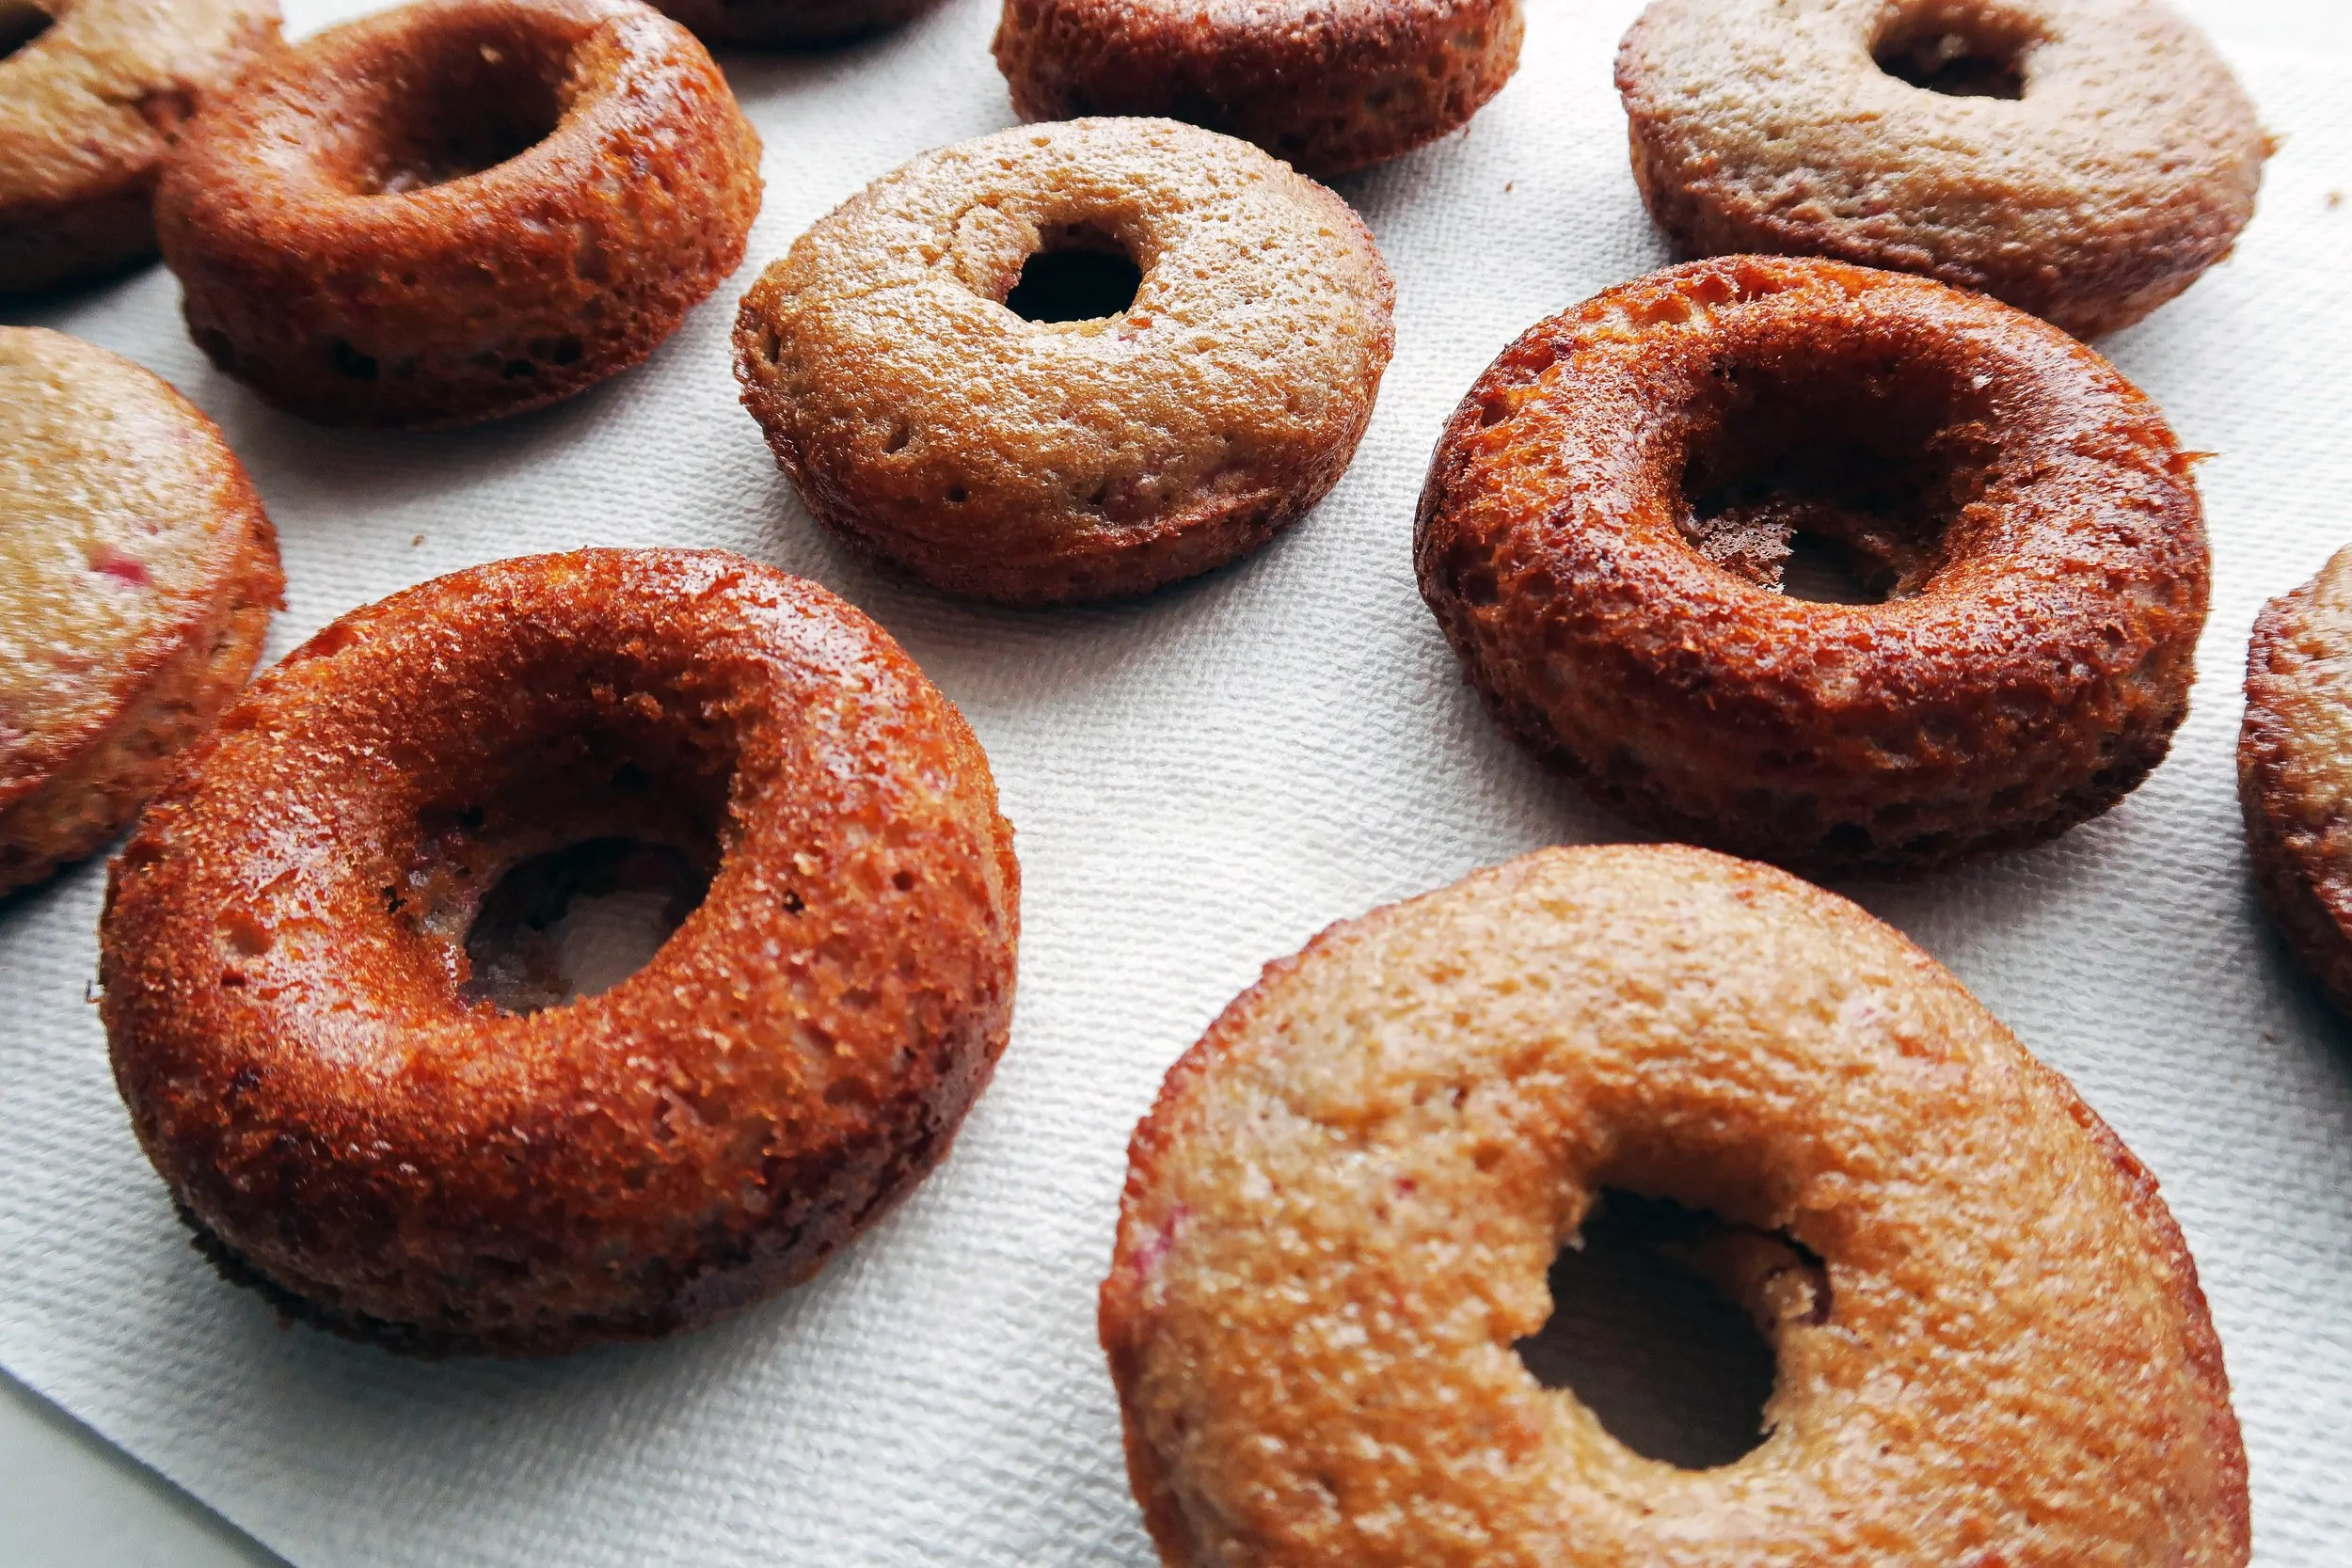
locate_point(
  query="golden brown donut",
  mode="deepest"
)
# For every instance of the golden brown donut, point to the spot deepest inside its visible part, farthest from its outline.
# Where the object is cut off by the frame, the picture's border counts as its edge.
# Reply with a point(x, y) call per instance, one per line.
point(2295, 769)
point(137, 572)
point(1992, 1344)
point(1328, 84)
point(290, 985)
point(788, 23)
point(459, 209)
point(1035, 461)
point(1611, 512)
point(91, 94)
point(2084, 160)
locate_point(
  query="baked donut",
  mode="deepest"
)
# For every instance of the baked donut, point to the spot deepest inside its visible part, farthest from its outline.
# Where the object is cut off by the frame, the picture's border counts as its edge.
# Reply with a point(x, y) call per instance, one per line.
point(786, 23)
point(1616, 503)
point(1328, 87)
point(311, 1050)
point(1992, 1344)
point(2084, 160)
point(137, 572)
point(2295, 769)
point(459, 209)
point(1232, 321)
point(91, 94)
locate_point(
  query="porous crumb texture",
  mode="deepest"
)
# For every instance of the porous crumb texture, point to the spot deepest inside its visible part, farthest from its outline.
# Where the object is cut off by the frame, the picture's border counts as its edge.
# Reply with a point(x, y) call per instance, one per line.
point(2126, 166)
point(1033, 462)
point(789, 23)
point(1339, 1216)
point(1328, 84)
point(2295, 769)
point(284, 961)
point(458, 210)
point(1606, 522)
point(137, 571)
point(89, 106)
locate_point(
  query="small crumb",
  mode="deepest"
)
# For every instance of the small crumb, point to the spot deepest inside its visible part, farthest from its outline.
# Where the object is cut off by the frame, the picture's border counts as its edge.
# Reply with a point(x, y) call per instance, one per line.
point(1507, 184)
point(2335, 198)
point(418, 540)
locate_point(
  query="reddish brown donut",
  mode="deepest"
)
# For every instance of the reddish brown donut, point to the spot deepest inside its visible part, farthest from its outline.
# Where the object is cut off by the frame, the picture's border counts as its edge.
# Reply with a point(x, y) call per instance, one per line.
point(91, 94)
point(290, 994)
point(459, 209)
point(1329, 84)
point(1610, 510)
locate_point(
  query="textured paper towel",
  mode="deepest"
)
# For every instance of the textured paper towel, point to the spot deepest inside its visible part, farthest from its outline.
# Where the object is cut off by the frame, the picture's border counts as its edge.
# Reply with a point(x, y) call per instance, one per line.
point(1201, 780)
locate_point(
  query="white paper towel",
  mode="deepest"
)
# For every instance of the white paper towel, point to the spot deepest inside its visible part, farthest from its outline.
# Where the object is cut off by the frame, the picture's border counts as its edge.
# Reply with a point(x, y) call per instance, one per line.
point(1201, 780)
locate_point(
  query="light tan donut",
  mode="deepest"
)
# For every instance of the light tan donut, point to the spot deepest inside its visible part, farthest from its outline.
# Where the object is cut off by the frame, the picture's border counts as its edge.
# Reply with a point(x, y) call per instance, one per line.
point(1339, 1218)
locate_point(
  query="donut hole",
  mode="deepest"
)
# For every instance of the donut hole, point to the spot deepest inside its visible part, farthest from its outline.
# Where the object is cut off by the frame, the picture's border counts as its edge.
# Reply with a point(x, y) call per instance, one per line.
point(1834, 482)
point(1959, 50)
point(578, 920)
point(1079, 272)
point(468, 99)
point(20, 24)
point(556, 865)
point(1658, 1326)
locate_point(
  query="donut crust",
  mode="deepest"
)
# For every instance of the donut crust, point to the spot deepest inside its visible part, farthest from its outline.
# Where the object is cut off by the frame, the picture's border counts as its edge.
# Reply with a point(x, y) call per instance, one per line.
point(87, 112)
point(2295, 771)
point(2029, 511)
point(284, 956)
point(121, 493)
point(1328, 87)
point(1339, 1212)
point(1039, 463)
point(368, 278)
point(2125, 169)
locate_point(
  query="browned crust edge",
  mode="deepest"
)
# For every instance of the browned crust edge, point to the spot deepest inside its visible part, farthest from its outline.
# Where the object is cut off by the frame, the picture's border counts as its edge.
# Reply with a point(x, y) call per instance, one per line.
point(2308, 907)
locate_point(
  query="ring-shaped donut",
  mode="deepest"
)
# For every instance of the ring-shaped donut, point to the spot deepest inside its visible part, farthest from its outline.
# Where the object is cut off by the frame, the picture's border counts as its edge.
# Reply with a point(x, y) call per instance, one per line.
point(1612, 508)
point(459, 209)
point(1339, 1216)
point(789, 23)
point(1036, 461)
point(137, 571)
point(91, 94)
point(2084, 160)
point(291, 1007)
point(1326, 87)
point(2295, 769)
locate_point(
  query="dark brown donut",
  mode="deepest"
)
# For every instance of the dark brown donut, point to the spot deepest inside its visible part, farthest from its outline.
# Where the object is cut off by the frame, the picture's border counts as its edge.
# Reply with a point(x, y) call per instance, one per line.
point(459, 209)
point(293, 961)
point(1331, 87)
point(1610, 512)
point(790, 24)
point(91, 94)
point(2295, 771)
point(2085, 160)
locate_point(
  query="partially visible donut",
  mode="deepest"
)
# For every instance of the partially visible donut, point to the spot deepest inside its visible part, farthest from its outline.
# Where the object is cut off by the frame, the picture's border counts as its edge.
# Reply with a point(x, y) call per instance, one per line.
point(2084, 160)
point(300, 1029)
point(1328, 85)
point(459, 209)
point(1214, 396)
point(1609, 519)
point(91, 94)
point(137, 572)
point(2295, 769)
point(790, 24)
point(1339, 1216)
